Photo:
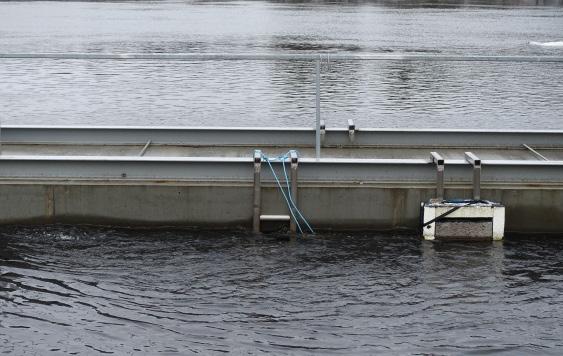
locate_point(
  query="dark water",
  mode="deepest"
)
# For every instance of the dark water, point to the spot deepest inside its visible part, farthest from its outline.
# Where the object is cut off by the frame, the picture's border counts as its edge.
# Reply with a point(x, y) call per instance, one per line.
point(281, 93)
point(80, 290)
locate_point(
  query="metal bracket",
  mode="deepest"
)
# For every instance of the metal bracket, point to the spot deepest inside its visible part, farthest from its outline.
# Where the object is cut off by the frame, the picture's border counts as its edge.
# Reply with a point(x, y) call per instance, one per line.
point(476, 163)
point(351, 130)
point(257, 204)
point(440, 165)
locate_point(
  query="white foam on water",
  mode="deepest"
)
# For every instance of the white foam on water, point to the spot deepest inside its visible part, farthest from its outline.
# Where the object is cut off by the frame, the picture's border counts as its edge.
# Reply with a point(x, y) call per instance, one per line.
point(547, 44)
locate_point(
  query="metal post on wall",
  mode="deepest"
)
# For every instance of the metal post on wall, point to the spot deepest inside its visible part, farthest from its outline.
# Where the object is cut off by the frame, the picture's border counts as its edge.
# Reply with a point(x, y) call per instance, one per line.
point(257, 203)
point(294, 164)
point(440, 163)
point(318, 110)
point(476, 163)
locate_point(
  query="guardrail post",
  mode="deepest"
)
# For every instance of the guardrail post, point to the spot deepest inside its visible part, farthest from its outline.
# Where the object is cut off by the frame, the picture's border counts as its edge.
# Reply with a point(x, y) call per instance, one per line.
point(294, 164)
point(440, 164)
point(257, 205)
point(318, 109)
point(476, 162)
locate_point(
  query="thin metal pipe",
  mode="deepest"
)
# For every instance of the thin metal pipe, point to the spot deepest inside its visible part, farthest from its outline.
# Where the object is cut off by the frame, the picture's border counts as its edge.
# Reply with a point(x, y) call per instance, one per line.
point(535, 152)
point(318, 110)
point(257, 192)
point(294, 187)
point(293, 57)
point(145, 148)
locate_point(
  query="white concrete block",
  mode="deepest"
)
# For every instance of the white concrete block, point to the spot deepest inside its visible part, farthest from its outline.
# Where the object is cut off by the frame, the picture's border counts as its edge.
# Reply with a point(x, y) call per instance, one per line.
point(463, 219)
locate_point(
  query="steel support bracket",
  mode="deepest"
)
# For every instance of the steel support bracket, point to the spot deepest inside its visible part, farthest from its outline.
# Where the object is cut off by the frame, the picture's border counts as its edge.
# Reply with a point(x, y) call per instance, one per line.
point(476, 163)
point(440, 165)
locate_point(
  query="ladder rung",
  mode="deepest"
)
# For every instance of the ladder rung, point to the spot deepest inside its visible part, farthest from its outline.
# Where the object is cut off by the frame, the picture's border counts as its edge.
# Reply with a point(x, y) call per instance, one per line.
point(274, 217)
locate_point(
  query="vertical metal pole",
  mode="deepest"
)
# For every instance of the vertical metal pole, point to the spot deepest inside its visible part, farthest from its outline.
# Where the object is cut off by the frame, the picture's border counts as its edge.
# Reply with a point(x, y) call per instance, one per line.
point(257, 205)
point(318, 110)
point(294, 164)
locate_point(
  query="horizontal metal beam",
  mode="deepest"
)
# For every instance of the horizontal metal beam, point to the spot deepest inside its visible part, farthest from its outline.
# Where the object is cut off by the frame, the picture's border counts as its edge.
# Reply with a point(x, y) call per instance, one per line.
point(277, 136)
point(281, 56)
point(327, 170)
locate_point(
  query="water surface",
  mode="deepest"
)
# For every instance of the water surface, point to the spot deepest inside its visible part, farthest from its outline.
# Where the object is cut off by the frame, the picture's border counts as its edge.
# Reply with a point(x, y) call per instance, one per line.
point(78, 290)
point(281, 93)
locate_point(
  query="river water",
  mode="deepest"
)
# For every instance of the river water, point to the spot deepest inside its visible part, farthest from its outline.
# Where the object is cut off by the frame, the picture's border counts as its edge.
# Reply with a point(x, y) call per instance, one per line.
point(87, 290)
point(281, 93)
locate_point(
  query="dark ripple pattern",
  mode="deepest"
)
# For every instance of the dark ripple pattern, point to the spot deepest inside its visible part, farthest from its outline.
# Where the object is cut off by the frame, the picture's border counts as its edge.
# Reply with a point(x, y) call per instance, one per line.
point(85, 290)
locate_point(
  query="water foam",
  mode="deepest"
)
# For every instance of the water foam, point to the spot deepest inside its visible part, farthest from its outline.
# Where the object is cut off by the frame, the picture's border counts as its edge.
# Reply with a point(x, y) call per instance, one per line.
point(547, 44)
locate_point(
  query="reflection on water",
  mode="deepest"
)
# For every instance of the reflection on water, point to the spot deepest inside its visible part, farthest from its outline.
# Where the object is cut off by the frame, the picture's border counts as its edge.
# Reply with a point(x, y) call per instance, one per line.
point(245, 93)
point(119, 291)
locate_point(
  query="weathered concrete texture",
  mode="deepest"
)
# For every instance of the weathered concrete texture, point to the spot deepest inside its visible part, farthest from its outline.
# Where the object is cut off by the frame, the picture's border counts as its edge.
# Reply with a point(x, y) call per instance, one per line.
point(458, 228)
point(230, 206)
point(26, 203)
point(363, 207)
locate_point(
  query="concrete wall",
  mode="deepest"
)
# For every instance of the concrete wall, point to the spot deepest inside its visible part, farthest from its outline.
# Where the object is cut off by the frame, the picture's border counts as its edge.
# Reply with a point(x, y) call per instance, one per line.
point(352, 206)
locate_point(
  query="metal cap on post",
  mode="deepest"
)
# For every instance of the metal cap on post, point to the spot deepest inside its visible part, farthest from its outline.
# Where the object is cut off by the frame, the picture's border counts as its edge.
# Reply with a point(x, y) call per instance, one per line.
point(440, 165)
point(476, 163)
point(294, 164)
point(257, 204)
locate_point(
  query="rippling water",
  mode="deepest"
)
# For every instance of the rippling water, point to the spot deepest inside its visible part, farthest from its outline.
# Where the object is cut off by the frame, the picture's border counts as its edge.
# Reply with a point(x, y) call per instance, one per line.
point(76, 290)
point(281, 93)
